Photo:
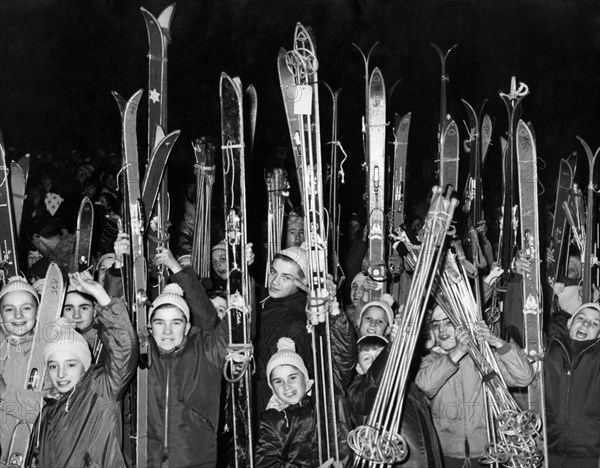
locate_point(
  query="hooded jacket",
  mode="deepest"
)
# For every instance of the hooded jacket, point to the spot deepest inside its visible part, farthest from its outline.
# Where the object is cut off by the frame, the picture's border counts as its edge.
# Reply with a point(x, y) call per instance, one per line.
point(83, 428)
point(416, 428)
point(456, 396)
point(572, 392)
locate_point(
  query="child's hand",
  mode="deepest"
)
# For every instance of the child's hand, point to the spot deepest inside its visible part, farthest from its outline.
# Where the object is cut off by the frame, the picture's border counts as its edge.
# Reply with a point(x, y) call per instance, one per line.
point(249, 254)
point(165, 257)
point(483, 333)
point(84, 283)
point(122, 247)
point(463, 338)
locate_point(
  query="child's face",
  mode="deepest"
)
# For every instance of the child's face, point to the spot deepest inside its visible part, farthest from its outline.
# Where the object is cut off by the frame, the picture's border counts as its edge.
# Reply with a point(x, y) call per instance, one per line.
point(443, 330)
point(78, 310)
point(357, 290)
point(585, 325)
point(289, 384)
point(219, 263)
point(65, 370)
point(103, 266)
point(295, 233)
point(168, 327)
point(374, 321)
point(281, 278)
point(19, 312)
point(366, 358)
point(220, 304)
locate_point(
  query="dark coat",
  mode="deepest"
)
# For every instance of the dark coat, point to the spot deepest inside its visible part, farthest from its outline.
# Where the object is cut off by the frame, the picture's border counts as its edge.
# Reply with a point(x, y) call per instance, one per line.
point(82, 428)
point(573, 400)
point(184, 388)
point(288, 438)
point(285, 317)
point(416, 428)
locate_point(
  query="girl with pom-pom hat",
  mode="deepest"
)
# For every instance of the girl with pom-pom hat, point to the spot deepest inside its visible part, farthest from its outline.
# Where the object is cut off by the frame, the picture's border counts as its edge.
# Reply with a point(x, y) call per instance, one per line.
point(184, 383)
point(288, 429)
point(81, 421)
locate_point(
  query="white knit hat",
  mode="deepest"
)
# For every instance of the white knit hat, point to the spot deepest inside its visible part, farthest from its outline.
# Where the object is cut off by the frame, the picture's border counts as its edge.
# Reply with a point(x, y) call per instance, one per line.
point(64, 337)
point(300, 256)
point(18, 283)
point(568, 297)
point(286, 355)
point(385, 302)
point(219, 246)
point(172, 295)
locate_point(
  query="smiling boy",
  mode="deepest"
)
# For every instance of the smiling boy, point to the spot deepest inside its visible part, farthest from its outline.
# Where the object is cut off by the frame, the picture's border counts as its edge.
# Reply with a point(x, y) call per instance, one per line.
point(572, 375)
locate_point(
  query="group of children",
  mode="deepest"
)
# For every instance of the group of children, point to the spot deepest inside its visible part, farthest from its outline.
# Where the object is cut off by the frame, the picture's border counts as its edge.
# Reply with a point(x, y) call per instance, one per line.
point(81, 416)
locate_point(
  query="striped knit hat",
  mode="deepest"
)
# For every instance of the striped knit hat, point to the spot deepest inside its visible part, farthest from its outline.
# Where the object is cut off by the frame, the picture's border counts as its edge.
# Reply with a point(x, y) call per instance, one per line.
point(171, 295)
point(18, 283)
point(64, 337)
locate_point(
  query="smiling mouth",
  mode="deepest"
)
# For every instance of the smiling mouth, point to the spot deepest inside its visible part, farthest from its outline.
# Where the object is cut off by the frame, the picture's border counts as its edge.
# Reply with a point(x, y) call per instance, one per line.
point(581, 334)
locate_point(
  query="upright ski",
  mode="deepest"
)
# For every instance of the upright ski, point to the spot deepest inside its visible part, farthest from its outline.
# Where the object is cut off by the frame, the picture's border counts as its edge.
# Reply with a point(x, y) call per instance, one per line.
point(18, 179)
point(376, 126)
point(49, 311)
point(532, 297)
point(239, 304)
point(9, 259)
point(159, 37)
point(301, 79)
point(136, 276)
point(557, 243)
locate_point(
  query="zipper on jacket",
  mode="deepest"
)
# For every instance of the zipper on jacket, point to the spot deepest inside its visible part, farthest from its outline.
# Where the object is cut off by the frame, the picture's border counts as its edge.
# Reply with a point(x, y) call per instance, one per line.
point(165, 450)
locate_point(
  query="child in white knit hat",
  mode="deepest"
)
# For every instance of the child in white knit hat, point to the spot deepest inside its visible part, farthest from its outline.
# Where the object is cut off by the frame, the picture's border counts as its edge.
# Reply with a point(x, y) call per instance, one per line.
point(186, 365)
point(283, 313)
point(288, 429)
point(18, 312)
point(81, 422)
point(377, 317)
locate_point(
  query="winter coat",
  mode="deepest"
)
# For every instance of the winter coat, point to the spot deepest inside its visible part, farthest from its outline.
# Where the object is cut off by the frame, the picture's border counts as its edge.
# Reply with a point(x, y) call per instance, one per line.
point(202, 311)
point(83, 428)
point(456, 396)
point(184, 388)
point(16, 403)
point(288, 438)
point(416, 428)
point(572, 388)
point(285, 317)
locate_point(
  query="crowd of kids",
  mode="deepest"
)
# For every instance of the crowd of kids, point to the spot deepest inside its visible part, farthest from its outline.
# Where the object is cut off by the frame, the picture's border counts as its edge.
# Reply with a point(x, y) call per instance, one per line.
point(81, 418)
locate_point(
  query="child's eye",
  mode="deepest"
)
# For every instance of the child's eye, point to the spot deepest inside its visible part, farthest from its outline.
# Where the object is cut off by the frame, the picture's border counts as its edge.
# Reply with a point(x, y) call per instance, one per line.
point(293, 377)
point(52, 366)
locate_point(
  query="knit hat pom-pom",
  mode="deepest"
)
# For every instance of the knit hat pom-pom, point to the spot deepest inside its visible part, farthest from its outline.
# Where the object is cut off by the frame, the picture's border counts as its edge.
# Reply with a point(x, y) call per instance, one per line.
point(387, 299)
point(286, 344)
point(173, 288)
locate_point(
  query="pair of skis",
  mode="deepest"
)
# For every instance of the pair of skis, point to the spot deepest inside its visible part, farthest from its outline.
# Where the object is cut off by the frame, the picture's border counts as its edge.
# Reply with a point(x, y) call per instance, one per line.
point(238, 368)
point(9, 259)
point(299, 85)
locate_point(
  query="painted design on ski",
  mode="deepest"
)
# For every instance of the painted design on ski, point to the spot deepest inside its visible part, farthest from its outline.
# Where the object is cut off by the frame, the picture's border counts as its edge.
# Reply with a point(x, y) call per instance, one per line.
point(83, 241)
point(532, 297)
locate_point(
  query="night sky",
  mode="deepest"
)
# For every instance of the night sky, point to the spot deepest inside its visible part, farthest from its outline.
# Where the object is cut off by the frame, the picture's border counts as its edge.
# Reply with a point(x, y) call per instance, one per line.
point(61, 59)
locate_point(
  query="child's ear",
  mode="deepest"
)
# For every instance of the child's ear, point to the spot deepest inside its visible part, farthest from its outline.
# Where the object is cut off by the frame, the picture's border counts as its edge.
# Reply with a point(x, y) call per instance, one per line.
point(388, 330)
point(569, 322)
point(188, 327)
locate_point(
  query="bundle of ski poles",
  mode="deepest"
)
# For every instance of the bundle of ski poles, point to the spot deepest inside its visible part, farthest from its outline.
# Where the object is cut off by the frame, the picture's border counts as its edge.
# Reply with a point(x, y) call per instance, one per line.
point(278, 190)
point(512, 433)
point(379, 441)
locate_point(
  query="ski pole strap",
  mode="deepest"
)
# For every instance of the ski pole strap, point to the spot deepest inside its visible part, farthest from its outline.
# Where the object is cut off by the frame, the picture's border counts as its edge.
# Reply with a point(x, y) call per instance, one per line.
point(158, 58)
point(237, 360)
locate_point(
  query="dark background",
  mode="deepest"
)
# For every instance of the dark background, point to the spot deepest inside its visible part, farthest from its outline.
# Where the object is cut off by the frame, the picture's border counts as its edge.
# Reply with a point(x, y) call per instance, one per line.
point(60, 60)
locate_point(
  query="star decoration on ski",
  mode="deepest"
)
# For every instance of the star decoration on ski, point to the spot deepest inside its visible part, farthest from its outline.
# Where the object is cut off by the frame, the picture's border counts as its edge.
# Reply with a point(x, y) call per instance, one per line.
point(154, 96)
